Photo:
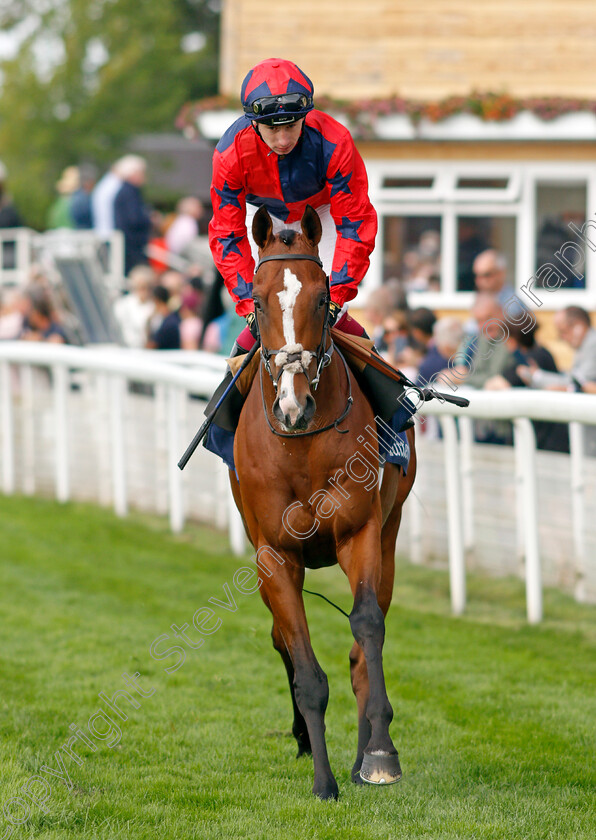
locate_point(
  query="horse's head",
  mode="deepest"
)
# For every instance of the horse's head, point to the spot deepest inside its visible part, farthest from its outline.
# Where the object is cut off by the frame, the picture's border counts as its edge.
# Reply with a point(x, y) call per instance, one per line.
point(291, 303)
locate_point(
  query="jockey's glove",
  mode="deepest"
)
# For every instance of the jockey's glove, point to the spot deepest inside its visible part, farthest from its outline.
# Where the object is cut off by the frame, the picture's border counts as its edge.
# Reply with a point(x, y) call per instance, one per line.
point(334, 312)
point(251, 322)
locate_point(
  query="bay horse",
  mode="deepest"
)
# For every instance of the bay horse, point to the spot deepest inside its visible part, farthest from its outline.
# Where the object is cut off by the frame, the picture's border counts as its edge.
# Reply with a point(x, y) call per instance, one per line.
point(305, 508)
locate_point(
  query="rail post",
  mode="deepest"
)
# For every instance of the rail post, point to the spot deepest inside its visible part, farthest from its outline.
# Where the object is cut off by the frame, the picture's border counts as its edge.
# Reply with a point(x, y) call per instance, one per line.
point(457, 566)
point(525, 445)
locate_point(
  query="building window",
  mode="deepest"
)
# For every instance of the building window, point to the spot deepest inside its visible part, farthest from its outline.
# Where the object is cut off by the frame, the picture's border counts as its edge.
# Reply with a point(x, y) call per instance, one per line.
point(476, 234)
point(436, 217)
point(557, 206)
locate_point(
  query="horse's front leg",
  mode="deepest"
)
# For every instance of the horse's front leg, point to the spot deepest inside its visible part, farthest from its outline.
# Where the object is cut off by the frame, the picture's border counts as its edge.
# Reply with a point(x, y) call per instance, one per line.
point(283, 596)
point(360, 557)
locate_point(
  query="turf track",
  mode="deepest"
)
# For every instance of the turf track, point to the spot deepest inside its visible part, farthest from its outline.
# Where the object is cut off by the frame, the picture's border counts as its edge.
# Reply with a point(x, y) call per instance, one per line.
point(495, 721)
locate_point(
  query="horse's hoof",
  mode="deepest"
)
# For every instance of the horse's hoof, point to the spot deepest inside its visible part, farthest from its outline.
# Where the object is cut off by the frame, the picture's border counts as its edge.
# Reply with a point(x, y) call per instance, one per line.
point(328, 790)
point(380, 768)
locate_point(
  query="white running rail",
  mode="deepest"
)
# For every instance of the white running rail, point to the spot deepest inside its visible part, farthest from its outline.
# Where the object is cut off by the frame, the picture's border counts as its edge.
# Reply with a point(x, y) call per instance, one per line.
point(74, 410)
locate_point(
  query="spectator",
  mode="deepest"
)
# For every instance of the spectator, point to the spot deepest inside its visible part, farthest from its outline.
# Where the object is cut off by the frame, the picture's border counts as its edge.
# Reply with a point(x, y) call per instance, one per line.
point(394, 337)
point(422, 264)
point(166, 336)
point(220, 333)
point(191, 326)
point(574, 327)
point(131, 215)
point(380, 304)
point(420, 333)
point(9, 218)
point(421, 322)
point(487, 354)
point(447, 337)
point(59, 214)
point(471, 243)
point(102, 200)
point(525, 350)
point(42, 324)
point(81, 211)
point(133, 310)
point(490, 275)
point(158, 253)
point(185, 227)
point(14, 306)
point(220, 323)
point(174, 282)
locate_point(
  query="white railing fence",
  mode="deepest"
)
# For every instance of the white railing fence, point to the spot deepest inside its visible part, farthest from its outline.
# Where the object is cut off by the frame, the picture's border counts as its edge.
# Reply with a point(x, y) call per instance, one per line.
point(521, 407)
point(109, 425)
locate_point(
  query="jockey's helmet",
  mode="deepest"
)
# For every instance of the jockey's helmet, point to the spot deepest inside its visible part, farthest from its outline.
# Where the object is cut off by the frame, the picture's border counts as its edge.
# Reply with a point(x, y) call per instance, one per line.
point(276, 92)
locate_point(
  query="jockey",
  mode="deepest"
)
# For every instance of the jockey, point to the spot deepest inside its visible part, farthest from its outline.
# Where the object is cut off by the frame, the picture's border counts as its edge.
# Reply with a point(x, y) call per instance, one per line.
point(284, 154)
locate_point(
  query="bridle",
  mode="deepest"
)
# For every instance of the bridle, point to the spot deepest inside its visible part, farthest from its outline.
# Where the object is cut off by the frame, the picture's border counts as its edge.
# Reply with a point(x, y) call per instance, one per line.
point(322, 355)
point(301, 360)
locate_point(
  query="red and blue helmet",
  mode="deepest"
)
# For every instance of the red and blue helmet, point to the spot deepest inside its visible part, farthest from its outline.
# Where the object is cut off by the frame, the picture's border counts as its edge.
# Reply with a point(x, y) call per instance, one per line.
point(276, 92)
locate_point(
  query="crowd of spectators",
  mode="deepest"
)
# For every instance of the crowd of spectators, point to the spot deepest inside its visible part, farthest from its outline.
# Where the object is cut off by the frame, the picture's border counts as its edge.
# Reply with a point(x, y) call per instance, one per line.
point(34, 313)
point(497, 348)
point(173, 299)
point(172, 296)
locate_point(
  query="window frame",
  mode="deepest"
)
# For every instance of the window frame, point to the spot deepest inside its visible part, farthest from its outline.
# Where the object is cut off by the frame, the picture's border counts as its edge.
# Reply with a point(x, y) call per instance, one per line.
point(443, 199)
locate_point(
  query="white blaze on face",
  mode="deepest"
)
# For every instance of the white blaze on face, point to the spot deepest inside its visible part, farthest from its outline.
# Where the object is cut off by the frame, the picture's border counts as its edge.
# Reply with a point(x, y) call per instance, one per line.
point(287, 299)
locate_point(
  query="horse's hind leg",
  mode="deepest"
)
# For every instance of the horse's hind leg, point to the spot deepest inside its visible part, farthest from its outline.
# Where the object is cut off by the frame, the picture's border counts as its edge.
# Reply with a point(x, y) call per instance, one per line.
point(299, 728)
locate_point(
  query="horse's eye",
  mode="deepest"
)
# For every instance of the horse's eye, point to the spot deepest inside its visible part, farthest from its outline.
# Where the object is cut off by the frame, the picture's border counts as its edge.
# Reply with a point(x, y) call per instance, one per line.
point(322, 302)
point(258, 304)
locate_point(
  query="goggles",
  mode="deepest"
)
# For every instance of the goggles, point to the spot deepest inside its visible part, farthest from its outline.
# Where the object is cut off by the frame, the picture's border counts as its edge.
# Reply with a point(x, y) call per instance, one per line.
point(292, 105)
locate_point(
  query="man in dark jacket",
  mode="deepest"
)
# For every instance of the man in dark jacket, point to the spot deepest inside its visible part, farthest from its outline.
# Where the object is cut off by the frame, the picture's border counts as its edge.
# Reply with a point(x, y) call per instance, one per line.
point(131, 215)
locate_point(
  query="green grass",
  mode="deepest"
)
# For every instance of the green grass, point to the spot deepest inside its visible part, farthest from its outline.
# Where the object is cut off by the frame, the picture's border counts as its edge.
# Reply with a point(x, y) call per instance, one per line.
point(495, 721)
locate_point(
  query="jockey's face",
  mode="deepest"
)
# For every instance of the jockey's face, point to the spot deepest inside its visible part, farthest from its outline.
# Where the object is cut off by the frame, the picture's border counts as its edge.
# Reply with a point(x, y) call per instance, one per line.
point(281, 139)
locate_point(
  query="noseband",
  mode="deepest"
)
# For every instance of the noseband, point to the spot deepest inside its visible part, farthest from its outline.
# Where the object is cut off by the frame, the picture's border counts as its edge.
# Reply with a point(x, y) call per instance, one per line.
point(303, 358)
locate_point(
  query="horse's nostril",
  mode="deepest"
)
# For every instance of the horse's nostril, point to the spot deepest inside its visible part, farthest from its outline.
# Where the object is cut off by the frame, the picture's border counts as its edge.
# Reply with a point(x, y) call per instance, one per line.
point(310, 408)
point(277, 412)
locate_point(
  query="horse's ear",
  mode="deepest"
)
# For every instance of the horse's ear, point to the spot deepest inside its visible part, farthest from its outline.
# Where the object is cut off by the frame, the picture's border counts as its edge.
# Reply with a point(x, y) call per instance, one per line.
point(311, 225)
point(262, 227)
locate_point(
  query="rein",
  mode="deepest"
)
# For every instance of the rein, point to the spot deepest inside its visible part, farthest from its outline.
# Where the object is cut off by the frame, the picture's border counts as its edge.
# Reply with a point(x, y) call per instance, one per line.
point(322, 356)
